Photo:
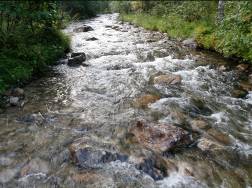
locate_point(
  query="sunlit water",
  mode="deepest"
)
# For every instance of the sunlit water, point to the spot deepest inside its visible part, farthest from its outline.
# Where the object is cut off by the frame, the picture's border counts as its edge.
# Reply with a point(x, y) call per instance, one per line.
point(96, 103)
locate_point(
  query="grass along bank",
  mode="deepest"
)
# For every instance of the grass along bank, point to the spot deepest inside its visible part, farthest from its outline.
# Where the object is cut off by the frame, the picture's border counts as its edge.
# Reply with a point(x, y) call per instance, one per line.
point(227, 39)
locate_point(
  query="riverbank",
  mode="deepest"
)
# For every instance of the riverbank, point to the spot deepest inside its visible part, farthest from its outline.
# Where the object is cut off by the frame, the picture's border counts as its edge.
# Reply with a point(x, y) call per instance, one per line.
point(205, 32)
point(29, 55)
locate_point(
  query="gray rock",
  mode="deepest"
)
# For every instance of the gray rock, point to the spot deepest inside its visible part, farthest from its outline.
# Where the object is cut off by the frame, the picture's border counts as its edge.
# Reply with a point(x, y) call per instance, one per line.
point(191, 43)
point(92, 155)
point(14, 101)
point(77, 59)
point(84, 28)
point(92, 39)
point(89, 157)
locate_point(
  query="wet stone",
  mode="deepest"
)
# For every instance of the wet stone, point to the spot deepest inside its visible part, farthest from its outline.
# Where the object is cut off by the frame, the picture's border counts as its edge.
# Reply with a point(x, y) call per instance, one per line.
point(208, 145)
point(145, 100)
point(92, 39)
point(32, 119)
point(90, 158)
point(191, 43)
point(86, 177)
point(35, 166)
point(219, 136)
point(168, 79)
point(199, 125)
point(84, 28)
point(160, 137)
point(77, 59)
point(152, 168)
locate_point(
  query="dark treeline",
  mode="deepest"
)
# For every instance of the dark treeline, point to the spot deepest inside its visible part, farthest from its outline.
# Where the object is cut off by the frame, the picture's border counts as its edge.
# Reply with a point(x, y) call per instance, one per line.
point(223, 26)
point(31, 37)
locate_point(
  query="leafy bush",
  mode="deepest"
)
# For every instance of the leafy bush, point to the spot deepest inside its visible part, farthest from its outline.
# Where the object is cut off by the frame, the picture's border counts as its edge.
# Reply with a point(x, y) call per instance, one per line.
point(30, 40)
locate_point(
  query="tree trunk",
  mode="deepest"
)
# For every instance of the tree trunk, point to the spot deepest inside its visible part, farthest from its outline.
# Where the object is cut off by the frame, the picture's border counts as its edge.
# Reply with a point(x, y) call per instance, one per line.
point(220, 12)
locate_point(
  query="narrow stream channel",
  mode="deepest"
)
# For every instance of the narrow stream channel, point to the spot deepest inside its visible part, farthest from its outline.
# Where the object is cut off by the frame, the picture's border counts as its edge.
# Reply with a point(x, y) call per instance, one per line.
point(106, 125)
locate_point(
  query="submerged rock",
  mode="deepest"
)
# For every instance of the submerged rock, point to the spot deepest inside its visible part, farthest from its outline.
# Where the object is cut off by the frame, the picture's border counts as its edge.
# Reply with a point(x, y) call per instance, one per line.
point(86, 177)
point(88, 157)
point(84, 28)
point(219, 136)
point(199, 125)
point(208, 145)
point(167, 79)
point(35, 166)
point(33, 119)
point(154, 167)
point(160, 137)
point(145, 100)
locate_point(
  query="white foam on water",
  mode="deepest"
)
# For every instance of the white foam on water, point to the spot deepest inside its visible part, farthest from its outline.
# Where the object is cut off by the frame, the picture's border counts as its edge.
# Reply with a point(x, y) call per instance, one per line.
point(176, 180)
point(249, 98)
point(219, 117)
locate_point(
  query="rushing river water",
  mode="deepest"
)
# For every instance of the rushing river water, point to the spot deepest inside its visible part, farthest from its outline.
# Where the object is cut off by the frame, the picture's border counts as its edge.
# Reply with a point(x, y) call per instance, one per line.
point(94, 107)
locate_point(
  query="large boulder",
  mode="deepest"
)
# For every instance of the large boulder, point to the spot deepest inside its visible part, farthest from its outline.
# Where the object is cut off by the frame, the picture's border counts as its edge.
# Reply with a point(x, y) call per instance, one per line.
point(191, 43)
point(167, 79)
point(84, 28)
point(77, 59)
point(160, 137)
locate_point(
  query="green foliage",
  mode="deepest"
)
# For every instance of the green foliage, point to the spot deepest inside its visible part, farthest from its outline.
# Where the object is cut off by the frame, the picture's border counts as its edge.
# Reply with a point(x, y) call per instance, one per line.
point(182, 19)
point(235, 33)
point(85, 9)
point(30, 39)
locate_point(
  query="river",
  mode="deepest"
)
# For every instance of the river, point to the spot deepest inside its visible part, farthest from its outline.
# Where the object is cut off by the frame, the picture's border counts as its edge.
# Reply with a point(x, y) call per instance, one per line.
point(93, 126)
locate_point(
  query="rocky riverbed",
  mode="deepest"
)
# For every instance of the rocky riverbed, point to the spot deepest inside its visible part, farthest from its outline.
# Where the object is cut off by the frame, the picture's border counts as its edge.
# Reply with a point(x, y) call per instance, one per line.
point(141, 111)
